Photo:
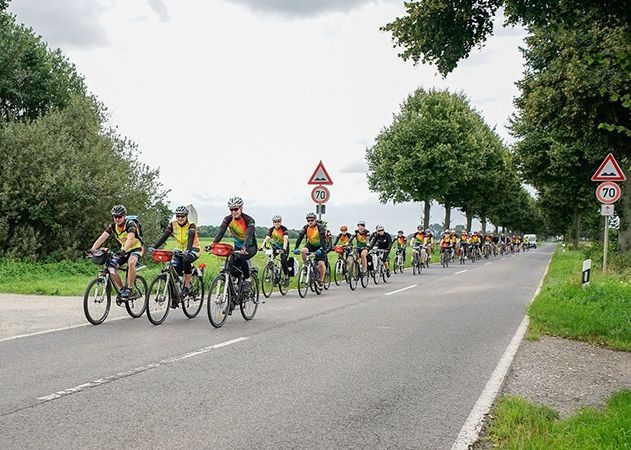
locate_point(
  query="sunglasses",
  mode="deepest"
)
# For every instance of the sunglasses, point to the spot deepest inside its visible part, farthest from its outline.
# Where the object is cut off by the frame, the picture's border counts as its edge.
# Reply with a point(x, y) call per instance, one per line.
point(234, 209)
point(117, 216)
point(310, 220)
point(180, 216)
point(276, 221)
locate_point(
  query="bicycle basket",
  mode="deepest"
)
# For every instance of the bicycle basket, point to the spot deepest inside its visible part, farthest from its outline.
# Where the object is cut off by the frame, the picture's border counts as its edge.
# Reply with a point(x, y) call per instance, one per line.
point(162, 255)
point(222, 250)
point(339, 249)
point(99, 257)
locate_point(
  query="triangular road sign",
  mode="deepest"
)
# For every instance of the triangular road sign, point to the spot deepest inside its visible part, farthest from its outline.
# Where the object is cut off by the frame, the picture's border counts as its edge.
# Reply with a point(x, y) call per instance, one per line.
point(320, 176)
point(609, 170)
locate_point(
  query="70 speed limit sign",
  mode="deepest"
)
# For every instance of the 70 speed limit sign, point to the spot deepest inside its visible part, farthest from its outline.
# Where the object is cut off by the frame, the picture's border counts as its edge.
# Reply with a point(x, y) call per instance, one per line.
point(608, 192)
point(320, 195)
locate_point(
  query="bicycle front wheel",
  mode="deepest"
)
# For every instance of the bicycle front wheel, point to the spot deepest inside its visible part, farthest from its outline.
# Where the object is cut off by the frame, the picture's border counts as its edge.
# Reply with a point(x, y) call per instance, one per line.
point(138, 299)
point(158, 299)
point(352, 275)
point(414, 264)
point(303, 281)
point(218, 302)
point(192, 304)
point(97, 301)
point(338, 272)
point(267, 279)
point(327, 276)
point(283, 285)
point(250, 303)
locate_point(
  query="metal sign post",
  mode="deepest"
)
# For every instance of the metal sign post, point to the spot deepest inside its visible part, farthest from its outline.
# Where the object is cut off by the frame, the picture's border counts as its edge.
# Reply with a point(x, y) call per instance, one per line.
point(606, 241)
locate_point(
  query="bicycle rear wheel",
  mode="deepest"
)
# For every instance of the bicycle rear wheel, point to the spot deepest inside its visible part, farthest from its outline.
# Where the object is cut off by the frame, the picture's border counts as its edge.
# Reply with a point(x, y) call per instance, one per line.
point(97, 300)
point(338, 272)
point(303, 281)
point(376, 273)
point(267, 279)
point(250, 303)
point(327, 275)
point(138, 299)
point(192, 304)
point(414, 263)
point(314, 281)
point(218, 302)
point(158, 299)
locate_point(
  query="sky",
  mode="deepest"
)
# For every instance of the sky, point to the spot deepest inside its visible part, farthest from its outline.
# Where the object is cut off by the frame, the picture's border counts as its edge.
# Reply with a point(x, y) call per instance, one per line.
point(245, 97)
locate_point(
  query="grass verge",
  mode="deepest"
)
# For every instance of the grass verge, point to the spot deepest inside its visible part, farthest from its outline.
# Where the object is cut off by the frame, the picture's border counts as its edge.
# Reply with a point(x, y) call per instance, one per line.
point(518, 424)
point(599, 314)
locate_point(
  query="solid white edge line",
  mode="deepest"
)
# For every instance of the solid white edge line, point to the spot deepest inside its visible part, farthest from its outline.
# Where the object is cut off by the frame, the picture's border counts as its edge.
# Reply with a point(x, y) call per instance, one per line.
point(402, 289)
point(37, 333)
point(462, 271)
point(473, 425)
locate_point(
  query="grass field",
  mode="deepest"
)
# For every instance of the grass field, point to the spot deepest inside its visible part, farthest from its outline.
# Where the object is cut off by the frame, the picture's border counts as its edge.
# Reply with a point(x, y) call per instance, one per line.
point(71, 277)
point(520, 425)
point(600, 314)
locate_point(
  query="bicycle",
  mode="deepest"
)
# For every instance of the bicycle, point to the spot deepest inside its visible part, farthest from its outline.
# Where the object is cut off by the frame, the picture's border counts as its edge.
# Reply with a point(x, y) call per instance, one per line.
point(340, 268)
point(417, 265)
point(309, 277)
point(165, 290)
point(462, 251)
point(273, 274)
point(226, 289)
point(474, 253)
point(379, 267)
point(97, 299)
point(353, 272)
point(445, 256)
point(399, 262)
point(486, 250)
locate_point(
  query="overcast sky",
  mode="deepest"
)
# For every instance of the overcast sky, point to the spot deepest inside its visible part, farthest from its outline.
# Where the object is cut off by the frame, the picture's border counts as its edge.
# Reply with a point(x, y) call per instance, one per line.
point(245, 97)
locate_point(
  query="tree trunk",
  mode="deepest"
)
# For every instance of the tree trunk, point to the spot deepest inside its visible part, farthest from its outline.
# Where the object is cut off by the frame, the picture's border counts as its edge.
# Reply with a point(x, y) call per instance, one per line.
point(624, 236)
point(577, 228)
point(447, 223)
point(497, 229)
point(426, 212)
point(483, 221)
point(469, 215)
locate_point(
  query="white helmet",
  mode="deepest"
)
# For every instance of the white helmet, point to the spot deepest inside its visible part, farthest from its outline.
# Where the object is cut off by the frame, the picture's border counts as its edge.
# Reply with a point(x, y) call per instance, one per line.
point(235, 202)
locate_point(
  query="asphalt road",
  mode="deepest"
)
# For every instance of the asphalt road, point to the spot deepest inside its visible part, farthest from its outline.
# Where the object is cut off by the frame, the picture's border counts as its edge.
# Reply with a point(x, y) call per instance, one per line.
point(345, 369)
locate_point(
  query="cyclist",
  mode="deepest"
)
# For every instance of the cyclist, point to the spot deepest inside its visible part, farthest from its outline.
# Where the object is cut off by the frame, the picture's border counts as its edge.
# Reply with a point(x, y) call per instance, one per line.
point(446, 244)
point(186, 249)
point(242, 228)
point(401, 241)
point(328, 239)
point(383, 241)
point(475, 241)
point(315, 244)
point(417, 241)
point(344, 237)
point(362, 237)
point(463, 243)
point(127, 233)
point(429, 245)
point(280, 241)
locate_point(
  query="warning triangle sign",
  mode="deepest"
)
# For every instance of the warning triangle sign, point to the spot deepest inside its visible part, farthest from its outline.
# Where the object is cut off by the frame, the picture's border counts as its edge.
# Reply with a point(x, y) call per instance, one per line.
point(609, 170)
point(320, 176)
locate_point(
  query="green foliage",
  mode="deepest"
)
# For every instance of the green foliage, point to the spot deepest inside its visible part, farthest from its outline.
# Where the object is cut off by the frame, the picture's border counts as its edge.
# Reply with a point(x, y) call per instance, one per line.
point(63, 166)
point(518, 424)
point(597, 314)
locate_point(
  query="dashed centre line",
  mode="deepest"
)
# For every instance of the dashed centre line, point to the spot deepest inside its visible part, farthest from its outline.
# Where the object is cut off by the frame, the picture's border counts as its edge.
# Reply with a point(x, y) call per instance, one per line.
point(118, 376)
point(402, 289)
point(462, 271)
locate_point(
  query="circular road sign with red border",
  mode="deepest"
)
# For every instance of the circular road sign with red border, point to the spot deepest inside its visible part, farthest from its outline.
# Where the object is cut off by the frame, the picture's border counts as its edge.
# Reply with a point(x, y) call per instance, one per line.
point(608, 192)
point(321, 195)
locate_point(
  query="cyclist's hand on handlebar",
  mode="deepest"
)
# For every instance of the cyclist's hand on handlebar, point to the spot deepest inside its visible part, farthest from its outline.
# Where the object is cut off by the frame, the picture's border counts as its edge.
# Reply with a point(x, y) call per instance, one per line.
point(151, 249)
point(318, 252)
point(296, 251)
point(243, 251)
point(120, 253)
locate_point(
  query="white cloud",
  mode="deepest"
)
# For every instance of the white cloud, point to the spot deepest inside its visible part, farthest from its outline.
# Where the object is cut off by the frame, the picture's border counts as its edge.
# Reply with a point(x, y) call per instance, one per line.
point(160, 9)
point(303, 8)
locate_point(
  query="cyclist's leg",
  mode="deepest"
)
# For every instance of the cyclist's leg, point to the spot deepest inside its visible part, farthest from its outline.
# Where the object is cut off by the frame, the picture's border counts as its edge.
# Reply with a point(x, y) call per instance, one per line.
point(133, 260)
point(385, 258)
point(283, 262)
point(188, 267)
point(364, 256)
point(113, 266)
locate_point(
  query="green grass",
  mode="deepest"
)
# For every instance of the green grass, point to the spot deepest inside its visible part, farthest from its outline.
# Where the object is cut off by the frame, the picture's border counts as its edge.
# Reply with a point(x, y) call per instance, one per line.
point(600, 314)
point(71, 277)
point(518, 424)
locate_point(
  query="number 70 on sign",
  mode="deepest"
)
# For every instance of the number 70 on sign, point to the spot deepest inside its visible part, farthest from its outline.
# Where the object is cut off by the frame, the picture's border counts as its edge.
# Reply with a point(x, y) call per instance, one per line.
point(608, 192)
point(320, 195)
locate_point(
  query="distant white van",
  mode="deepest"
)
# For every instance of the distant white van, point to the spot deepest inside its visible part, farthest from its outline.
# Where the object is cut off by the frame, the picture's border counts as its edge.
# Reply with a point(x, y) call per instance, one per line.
point(532, 240)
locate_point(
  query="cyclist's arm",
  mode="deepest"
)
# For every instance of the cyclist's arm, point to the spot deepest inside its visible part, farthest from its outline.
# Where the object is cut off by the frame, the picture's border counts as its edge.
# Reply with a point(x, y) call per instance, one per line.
point(168, 231)
point(250, 230)
point(301, 235)
point(322, 232)
point(222, 229)
point(265, 241)
point(372, 240)
point(285, 242)
point(101, 239)
point(389, 241)
point(191, 237)
point(336, 240)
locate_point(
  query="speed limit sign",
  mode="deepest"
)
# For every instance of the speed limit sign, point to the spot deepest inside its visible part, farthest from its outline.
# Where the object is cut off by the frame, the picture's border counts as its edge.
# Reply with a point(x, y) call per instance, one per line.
point(608, 192)
point(320, 195)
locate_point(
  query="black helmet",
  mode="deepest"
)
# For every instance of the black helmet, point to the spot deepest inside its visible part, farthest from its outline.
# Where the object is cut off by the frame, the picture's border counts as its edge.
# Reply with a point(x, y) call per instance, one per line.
point(119, 210)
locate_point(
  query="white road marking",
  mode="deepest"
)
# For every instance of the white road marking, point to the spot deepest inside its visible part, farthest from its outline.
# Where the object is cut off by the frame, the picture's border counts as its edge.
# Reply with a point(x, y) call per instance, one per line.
point(503, 258)
point(402, 289)
point(118, 376)
point(472, 426)
point(57, 329)
point(462, 271)
point(487, 263)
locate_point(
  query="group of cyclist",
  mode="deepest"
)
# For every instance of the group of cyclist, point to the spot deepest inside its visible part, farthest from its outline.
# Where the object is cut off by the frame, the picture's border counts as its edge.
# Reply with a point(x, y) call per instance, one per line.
point(318, 241)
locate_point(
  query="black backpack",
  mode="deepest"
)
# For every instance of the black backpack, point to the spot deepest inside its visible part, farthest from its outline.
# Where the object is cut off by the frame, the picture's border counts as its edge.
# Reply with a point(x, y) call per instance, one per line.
point(136, 222)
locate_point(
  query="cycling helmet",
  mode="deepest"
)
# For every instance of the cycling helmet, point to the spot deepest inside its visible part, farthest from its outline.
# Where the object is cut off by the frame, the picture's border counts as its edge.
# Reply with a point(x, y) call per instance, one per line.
point(119, 210)
point(235, 202)
point(181, 210)
point(343, 228)
point(380, 228)
point(361, 222)
point(310, 215)
point(400, 232)
point(420, 228)
point(277, 217)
